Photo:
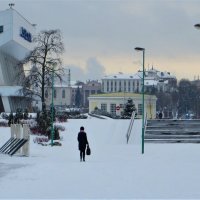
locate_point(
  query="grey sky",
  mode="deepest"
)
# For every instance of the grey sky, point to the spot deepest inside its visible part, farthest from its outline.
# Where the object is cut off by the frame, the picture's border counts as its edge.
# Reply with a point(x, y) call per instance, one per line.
point(100, 35)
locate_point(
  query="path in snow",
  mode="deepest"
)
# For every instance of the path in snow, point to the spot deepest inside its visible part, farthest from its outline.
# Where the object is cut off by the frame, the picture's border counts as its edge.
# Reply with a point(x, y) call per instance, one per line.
point(114, 170)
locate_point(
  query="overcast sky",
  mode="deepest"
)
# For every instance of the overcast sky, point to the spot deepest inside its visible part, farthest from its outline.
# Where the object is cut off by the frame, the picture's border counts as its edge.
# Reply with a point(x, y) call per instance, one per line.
point(100, 35)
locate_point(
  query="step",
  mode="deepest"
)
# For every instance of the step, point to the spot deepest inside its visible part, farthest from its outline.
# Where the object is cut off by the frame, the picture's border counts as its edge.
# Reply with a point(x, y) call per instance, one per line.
point(172, 122)
point(173, 132)
point(171, 141)
point(150, 136)
point(174, 126)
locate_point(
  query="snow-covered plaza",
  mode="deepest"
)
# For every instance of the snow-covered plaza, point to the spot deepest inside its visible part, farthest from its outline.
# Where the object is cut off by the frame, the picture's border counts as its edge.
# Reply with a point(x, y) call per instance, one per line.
point(114, 170)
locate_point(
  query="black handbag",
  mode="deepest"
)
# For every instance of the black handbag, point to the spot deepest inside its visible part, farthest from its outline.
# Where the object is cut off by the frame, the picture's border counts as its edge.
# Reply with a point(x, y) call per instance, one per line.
point(88, 150)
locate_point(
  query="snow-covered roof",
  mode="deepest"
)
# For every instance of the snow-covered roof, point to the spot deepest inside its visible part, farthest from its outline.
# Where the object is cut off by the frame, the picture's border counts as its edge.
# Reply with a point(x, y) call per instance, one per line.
point(120, 75)
point(150, 82)
point(65, 84)
point(165, 75)
point(76, 86)
point(10, 91)
point(120, 95)
point(149, 74)
point(160, 74)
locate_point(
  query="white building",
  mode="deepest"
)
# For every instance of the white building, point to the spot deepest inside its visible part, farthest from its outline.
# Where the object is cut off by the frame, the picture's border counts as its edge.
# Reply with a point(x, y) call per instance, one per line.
point(122, 83)
point(133, 82)
point(162, 80)
point(64, 91)
point(16, 35)
point(61, 96)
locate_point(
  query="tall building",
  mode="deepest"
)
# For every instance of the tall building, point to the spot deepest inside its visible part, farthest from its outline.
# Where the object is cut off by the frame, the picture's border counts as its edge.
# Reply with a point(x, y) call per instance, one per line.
point(16, 35)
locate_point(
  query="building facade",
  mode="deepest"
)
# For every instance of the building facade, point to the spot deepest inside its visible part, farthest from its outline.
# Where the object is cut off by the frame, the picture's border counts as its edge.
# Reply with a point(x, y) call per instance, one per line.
point(90, 88)
point(65, 95)
point(114, 103)
point(122, 83)
point(61, 95)
point(133, 83)
point(16, 35)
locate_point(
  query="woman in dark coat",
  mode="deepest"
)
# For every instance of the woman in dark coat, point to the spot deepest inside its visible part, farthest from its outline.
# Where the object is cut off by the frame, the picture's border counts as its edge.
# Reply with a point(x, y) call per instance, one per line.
point(82, 142)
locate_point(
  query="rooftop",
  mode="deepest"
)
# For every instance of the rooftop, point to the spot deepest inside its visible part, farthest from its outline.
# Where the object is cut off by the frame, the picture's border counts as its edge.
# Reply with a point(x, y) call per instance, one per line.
point(123, 94)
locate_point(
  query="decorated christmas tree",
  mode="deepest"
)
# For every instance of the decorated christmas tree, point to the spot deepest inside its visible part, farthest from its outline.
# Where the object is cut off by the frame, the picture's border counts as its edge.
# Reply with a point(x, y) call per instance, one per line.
point(129, 108)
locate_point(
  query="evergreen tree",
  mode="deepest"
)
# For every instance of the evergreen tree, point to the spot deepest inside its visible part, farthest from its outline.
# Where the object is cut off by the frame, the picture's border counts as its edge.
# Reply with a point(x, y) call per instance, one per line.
point(10, 119)
point(78, 97)
point(26, 113)
point(18, 115)
point(129, 108)
point(44, 121)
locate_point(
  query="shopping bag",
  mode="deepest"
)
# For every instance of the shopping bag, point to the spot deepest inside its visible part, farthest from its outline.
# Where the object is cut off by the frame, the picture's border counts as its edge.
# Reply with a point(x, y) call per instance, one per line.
point(88, 150)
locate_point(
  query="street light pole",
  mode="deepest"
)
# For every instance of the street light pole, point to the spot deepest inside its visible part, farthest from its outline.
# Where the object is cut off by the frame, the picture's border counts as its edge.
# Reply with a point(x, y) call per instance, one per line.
point(197, 26)
point(143, 52)
point(52, 107)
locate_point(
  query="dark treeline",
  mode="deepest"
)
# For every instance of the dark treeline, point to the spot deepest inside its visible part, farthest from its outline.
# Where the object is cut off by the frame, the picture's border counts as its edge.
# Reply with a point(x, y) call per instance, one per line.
point(181, 100)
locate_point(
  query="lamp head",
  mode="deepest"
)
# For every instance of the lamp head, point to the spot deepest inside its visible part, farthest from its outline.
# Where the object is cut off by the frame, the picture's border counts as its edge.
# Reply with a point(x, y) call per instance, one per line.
point(197, 26)
point(139, 49)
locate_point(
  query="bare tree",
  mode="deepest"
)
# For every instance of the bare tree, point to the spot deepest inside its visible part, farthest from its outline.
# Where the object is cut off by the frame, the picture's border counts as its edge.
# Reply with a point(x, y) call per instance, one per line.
point(42, 61)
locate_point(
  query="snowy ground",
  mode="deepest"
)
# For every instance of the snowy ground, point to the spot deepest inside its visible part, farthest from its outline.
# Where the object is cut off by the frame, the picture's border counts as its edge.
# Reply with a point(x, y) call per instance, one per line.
point(115, 170)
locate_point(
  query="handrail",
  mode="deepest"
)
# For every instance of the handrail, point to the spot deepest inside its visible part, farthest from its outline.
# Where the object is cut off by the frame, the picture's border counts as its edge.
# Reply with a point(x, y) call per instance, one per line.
point(145, 123)
point(130, 126)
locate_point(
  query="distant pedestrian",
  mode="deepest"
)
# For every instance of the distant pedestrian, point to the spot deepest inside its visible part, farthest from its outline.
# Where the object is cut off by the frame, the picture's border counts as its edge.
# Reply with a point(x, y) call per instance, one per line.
point(82, 142)
point(160, 115)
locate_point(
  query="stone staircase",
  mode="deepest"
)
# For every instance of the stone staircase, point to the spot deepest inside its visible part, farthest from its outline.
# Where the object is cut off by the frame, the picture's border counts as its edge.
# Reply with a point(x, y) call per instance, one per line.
point(172, 131)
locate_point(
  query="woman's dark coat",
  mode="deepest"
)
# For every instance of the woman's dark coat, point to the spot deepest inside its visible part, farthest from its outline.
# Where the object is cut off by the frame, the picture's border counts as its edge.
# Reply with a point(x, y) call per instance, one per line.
point(82, 139)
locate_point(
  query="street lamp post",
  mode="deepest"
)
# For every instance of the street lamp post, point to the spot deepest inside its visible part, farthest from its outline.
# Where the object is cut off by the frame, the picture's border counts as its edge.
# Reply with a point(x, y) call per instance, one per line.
point(143, 51)
point(52, 107)
point(197, 26)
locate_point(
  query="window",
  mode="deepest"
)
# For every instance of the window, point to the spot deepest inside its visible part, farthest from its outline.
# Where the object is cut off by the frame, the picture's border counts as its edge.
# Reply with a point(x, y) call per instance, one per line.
point(133, 86)
point(1, 29)
point(121, 105)
point(104, 107)
point(139, 109)
point(93, 91)
point(55, 94)
point(63, 94)
point(46, 94)
point(107, 86)
point(113, 109)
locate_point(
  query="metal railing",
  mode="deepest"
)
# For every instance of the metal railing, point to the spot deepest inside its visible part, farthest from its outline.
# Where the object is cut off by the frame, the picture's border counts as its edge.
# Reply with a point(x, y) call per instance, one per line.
point(130, 127)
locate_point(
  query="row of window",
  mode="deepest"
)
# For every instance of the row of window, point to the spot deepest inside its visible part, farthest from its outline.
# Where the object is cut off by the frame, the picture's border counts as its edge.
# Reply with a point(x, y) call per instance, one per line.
point(55, 94)
point(112, 86)
point(113, 108)
point(120, 82)
point(122, 90)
